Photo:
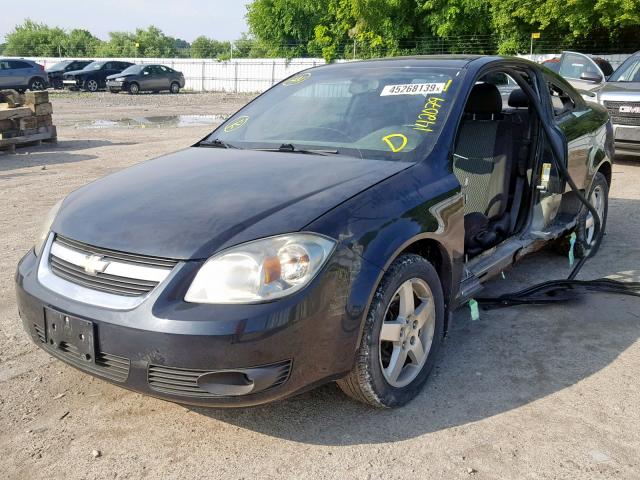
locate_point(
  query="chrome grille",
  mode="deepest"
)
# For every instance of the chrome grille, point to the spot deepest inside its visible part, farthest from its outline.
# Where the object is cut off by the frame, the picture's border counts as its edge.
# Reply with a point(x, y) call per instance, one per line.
point(623, 118)
point(105, 270)
point(184, 382)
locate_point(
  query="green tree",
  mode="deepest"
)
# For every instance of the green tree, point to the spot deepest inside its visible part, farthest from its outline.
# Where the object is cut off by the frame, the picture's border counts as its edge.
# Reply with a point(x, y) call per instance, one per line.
point(203, 47)
point(143, 43)
point(35, 39)
point(120, 44)
point(81, 43)
point(286, 26)
point(154, 43)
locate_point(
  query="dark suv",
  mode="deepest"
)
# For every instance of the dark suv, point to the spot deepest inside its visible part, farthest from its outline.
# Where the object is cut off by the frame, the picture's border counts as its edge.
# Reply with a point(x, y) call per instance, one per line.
point(56, 72)
point(21, 74)
point(93, 77)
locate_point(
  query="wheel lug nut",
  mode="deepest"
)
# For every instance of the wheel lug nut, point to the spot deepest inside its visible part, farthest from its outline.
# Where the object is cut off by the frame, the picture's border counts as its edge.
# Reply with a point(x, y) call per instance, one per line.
point(413, 340)
point(415, 324)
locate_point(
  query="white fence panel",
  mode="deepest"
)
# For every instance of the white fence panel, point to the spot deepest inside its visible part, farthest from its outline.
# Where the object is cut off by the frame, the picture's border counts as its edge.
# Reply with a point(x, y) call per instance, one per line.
point(254, 75)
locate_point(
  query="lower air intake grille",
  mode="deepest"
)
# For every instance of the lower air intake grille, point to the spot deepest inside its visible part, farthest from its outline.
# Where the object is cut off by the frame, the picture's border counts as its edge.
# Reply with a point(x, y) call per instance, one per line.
point(184, 382)
point(106, 365)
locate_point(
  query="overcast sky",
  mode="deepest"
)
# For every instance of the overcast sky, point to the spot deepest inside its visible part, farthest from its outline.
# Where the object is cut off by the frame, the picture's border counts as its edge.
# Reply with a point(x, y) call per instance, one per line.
point(186, 19)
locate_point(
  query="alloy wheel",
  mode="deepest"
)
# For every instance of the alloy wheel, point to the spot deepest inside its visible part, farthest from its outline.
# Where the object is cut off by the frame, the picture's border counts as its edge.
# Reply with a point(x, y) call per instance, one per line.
point(37, 85)
point(407, 332)
point(92, 86)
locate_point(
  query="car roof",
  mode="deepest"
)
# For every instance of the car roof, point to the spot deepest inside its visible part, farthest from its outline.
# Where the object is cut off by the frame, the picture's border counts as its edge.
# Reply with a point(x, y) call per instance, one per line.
point(450, 61)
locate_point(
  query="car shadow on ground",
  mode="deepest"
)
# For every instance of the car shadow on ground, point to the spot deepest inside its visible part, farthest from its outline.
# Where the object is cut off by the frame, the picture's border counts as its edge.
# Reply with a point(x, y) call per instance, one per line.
point(509, 358)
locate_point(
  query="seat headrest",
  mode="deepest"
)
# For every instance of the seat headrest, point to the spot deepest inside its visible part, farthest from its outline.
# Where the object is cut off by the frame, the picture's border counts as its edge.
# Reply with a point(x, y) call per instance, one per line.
point(484, 99)
point(518, 99)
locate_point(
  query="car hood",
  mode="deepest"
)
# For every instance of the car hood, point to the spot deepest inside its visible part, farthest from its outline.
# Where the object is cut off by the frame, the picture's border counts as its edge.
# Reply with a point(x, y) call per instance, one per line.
point(620, 91)
point(117, 75)
point(192, 203)
point(78, 72)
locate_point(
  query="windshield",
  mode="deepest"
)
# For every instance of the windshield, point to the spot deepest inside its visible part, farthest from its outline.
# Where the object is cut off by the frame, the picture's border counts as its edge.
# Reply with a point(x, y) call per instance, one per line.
point(629, 71)
point(60, 65)
point(378, 112)
point(94, 66)
point(133, 69)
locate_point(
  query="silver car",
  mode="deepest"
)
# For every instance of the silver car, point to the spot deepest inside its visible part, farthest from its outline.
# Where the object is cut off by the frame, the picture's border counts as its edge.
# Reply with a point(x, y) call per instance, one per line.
point(621, 96)
point(21, 74)
point(618, 92)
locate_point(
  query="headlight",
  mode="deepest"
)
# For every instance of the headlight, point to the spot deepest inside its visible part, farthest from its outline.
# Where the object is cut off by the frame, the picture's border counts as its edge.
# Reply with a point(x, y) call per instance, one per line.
point(120, 79)
point(261, 270)
point(46, 228)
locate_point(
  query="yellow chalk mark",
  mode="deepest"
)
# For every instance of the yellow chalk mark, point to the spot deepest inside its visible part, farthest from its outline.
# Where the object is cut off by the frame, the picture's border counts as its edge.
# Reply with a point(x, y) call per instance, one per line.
point(446, 86)
point(393, 146)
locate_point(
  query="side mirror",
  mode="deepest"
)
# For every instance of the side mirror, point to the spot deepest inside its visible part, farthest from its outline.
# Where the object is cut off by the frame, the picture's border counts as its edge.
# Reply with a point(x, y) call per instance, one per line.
point(591, 77)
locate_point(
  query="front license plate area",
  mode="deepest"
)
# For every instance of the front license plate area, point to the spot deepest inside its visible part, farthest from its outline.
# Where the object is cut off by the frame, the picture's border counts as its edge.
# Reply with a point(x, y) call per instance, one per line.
point(72, 335)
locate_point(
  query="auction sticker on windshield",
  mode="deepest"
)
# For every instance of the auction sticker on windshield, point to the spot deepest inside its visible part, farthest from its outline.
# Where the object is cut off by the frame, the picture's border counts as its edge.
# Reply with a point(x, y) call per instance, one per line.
point(412, 89)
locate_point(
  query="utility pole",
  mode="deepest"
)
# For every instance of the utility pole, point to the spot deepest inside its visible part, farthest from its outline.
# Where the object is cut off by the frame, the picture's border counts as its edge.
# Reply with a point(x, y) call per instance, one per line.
point(354, 48)
point(231, 43)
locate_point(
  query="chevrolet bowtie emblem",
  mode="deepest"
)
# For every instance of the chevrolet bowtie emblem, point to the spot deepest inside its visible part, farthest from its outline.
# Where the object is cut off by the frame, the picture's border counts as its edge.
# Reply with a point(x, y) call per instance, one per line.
point(93, 264)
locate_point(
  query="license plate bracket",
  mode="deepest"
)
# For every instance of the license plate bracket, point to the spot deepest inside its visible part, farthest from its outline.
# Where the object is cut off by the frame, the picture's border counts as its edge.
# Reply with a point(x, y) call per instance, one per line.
point(70, 334)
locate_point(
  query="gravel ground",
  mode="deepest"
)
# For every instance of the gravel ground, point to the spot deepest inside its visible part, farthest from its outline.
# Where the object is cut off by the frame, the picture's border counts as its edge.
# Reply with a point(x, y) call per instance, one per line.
point(526, 392)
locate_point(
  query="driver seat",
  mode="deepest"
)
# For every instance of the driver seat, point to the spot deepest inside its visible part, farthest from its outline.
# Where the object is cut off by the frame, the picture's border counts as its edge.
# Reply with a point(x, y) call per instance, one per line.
point(482, 165)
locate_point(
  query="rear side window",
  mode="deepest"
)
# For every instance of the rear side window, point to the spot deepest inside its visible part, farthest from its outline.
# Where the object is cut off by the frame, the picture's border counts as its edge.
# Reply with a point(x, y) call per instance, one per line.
point(17, 65)
point(4, 65)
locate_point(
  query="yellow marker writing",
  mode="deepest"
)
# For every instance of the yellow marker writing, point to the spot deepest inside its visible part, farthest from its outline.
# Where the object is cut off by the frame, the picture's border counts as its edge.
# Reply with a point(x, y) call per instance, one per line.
point(240, 121)
point(297, 79)
point(395, 148)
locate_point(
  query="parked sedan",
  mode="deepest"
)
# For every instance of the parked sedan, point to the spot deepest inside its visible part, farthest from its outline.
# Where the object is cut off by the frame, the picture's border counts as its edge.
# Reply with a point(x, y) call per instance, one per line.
point(93, 77)
point(146, 78)
point(324, 232)
point(56, 71)
point(20, 74)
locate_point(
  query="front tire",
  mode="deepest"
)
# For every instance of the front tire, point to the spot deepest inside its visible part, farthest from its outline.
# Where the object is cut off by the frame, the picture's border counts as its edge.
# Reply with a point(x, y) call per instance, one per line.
point(401, 337)
point(91, 85)
point(175, 87)
point(134, 88)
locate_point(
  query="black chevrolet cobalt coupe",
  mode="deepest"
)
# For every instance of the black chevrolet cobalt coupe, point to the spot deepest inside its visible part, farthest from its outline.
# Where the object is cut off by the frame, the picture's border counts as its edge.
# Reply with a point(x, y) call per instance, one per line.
point(323, 232)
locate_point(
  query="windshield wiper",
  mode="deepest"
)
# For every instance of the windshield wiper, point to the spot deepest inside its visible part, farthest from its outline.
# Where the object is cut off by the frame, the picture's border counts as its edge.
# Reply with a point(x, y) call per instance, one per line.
point(216, 143)
point(288, 147)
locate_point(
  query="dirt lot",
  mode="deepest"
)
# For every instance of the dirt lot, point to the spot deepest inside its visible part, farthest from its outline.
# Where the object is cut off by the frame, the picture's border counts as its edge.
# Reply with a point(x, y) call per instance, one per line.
point(526, 392)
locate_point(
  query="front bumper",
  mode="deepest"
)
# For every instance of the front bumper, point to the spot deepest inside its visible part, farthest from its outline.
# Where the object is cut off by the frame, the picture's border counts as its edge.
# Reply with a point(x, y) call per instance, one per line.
point(115, 86)
point(627, 139)
point(164, 346)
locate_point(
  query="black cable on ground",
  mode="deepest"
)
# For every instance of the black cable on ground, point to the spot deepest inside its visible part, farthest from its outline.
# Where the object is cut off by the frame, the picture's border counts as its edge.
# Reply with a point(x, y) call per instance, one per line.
point(554, 291)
